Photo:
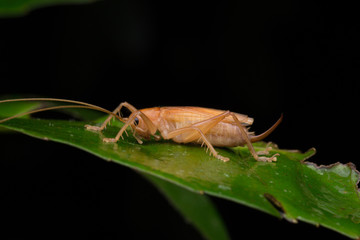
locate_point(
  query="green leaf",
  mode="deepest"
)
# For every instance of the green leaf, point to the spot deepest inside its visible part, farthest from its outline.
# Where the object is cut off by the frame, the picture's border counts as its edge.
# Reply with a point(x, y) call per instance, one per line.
point(196, 208)
point(12, 108)
point(12, 8)
point(289, 188)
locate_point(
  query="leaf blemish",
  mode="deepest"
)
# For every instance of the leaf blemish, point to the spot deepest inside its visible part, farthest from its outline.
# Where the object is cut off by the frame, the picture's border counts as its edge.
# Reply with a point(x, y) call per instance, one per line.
point(275, 203)
point(278, 206)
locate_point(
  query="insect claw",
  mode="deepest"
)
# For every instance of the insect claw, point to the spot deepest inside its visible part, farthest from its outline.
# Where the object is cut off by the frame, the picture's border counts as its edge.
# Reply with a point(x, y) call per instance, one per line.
point(267, 149)
point(264, 152)
point(224, 159)
point(93, 128)
point(138, 140)
point(269, 159)
point(108, 140)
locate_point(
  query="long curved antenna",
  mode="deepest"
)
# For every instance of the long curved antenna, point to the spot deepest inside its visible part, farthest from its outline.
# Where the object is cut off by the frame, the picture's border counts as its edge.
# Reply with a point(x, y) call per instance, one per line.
point(49, 100)
point(80, 105)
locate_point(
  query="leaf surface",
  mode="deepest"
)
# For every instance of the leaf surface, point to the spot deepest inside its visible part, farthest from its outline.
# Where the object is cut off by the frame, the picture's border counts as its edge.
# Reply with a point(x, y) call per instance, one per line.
point(11, 109)
point(289, 188)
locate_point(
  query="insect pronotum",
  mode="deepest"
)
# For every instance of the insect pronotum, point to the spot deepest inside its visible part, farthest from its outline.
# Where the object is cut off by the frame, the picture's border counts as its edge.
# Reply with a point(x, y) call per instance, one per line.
point(205, 126)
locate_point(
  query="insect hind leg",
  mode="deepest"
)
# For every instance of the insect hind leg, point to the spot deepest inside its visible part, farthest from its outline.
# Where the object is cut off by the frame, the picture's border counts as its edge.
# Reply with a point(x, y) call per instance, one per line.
point(251, 147)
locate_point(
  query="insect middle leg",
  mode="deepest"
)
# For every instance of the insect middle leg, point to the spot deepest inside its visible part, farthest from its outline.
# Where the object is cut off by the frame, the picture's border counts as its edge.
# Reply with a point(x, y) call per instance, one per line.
point(123, 129)
point(197, 131)
point(203, 137)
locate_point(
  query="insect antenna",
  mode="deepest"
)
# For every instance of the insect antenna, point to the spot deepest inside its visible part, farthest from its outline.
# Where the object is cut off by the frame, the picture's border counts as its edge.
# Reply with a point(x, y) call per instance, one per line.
point(79, 105)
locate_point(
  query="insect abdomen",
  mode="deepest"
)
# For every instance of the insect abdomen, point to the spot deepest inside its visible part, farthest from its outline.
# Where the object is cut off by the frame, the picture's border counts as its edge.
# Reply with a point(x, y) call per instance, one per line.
point(225, 135)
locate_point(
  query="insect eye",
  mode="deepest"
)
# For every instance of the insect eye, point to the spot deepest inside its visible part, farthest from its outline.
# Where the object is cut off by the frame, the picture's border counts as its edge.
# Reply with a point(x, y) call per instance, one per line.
point(136, 121)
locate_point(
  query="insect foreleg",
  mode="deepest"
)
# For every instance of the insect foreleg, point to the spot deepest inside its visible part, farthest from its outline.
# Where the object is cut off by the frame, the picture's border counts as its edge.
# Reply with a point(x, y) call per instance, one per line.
point(116, 111)
point(150, 126)
point(126, 125)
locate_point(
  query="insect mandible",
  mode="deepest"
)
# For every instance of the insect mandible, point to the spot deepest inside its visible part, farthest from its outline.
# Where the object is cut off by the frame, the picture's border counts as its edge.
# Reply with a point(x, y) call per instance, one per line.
point(205, 126)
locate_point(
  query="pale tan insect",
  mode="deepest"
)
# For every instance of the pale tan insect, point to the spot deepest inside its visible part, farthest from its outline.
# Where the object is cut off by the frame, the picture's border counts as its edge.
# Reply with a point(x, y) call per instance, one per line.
point(207, 126)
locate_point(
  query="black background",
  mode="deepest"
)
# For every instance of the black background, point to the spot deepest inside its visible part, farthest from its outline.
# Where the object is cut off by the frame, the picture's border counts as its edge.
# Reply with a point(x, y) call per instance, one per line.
point(261, 58)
